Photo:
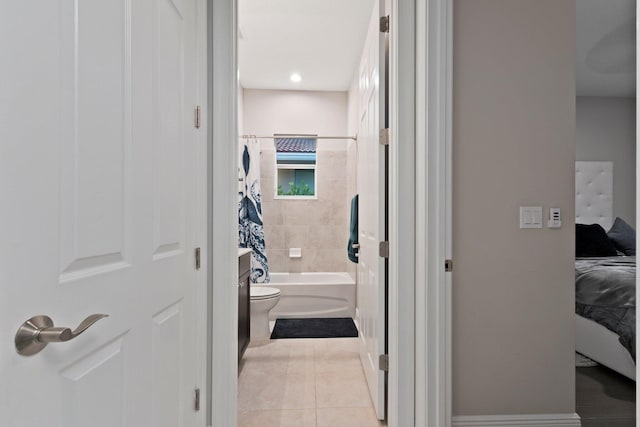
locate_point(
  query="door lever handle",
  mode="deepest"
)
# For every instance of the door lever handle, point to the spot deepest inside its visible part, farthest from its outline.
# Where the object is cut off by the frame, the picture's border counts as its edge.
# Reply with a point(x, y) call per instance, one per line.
point(34, 334)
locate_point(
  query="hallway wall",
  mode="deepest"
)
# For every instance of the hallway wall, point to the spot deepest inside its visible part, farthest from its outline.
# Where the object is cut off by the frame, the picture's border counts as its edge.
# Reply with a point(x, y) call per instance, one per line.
point(513, 145)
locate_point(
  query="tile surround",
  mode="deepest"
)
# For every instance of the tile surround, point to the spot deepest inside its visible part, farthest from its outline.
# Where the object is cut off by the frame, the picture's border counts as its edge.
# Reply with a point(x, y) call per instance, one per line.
point(272, 213)
point(319, 227)
point(276, 235)
point(278, 259)
point(304, 383)
point(295, 236)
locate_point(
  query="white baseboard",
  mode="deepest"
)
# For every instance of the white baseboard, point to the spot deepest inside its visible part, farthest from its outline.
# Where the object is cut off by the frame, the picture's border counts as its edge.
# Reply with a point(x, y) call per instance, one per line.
point(533, 420)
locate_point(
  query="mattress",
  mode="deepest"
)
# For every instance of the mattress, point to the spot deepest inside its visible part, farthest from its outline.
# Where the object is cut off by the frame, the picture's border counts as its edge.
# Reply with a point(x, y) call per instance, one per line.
point(606, 294)
point(602, 345)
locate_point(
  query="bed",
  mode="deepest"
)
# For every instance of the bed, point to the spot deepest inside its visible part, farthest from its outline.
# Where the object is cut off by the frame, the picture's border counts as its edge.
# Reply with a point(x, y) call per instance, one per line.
point(605, 280)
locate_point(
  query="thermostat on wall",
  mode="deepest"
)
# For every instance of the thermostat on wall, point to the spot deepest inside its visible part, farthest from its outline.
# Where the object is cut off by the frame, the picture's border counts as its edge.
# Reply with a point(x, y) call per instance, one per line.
point(554, 218)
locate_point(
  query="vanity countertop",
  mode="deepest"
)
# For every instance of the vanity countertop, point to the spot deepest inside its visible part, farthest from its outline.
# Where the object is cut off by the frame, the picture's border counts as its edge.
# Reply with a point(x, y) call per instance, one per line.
point(243, 251)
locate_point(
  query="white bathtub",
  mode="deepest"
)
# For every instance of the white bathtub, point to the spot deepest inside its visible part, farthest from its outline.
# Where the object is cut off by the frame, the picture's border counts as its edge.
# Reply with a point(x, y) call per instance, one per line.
point(305, 295)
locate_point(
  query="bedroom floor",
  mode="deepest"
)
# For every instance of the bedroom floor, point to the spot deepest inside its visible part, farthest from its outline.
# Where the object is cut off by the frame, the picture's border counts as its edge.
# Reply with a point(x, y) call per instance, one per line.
point(605, 398)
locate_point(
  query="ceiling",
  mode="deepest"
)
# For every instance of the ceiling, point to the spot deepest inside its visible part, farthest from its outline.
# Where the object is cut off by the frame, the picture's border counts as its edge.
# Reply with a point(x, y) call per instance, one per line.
point(321, 40)
point(309, 37)
point(605, 48)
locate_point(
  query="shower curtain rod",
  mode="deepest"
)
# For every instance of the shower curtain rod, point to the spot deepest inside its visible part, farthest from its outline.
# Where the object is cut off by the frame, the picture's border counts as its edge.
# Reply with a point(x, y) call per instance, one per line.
point(295, 135)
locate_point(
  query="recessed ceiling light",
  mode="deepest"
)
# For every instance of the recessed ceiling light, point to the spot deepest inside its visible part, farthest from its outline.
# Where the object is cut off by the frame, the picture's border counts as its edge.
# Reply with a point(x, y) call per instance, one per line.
point(295, 77)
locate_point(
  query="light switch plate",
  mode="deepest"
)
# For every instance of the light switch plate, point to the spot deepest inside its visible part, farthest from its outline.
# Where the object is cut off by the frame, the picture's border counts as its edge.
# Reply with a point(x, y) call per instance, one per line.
point(530, 216)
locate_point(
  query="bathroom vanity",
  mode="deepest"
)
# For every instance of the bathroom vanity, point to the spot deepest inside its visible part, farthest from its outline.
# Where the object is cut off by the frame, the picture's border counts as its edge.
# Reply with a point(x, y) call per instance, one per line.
point(244, 301)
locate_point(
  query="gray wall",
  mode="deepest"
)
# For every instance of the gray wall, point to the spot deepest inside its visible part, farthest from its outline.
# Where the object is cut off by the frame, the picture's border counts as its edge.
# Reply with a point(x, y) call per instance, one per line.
point(606, 130)
point(513, 145)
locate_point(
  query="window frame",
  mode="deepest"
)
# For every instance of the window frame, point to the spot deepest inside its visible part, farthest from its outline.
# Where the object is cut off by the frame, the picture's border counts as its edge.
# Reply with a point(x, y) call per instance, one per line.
point(296, 166)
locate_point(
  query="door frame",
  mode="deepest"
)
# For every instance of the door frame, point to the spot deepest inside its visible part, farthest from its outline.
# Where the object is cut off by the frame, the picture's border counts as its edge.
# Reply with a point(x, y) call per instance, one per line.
point(433, 207)
point(419, 288)
point(202, 229)
point(222, 132)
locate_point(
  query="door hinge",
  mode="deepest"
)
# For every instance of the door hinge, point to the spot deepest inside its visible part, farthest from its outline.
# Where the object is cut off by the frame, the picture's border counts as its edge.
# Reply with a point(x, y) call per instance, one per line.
point(384, 136)
point(384, 24)
point(448, 265)
point(197, 258)
point(384, 249)
point(196, 400)
point(383, 362)
point(197, 117)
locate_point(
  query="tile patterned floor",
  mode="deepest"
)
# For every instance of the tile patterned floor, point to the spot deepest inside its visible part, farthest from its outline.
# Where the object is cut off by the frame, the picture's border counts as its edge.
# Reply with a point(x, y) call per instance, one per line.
point(304, 383)
point(605, 398)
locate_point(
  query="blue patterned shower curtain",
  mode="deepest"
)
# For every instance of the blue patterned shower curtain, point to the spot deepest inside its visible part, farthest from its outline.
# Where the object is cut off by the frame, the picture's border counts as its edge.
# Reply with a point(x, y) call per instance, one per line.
point(250, 211)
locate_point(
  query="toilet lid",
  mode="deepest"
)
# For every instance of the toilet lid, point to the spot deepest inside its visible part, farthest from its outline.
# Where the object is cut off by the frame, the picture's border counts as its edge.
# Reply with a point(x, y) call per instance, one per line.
point(263, 292)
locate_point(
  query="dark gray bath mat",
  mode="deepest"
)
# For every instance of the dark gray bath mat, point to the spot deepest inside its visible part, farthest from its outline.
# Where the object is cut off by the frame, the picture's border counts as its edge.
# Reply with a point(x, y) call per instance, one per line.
point(314, 328)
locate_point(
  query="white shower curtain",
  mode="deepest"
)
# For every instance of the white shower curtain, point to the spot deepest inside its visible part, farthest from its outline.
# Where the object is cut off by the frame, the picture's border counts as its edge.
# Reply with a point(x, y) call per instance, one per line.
point(250, 223)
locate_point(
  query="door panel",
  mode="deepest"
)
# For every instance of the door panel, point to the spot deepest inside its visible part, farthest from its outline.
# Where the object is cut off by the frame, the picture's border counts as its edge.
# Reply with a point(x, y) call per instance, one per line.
point(95, 64)
point(168, 121)
point(97, 161)
point(97, 377)
point(166, 331)
point(371, 220)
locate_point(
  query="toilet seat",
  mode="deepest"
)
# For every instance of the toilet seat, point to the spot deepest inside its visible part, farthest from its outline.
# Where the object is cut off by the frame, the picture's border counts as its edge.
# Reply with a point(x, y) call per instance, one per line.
point(263, 292)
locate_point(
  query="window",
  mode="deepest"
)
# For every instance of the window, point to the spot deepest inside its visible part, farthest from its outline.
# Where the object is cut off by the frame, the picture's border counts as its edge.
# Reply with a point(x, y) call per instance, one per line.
point(296, 167)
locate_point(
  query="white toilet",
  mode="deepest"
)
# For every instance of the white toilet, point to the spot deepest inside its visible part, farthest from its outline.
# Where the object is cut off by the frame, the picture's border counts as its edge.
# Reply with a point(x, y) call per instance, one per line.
point(263, 299)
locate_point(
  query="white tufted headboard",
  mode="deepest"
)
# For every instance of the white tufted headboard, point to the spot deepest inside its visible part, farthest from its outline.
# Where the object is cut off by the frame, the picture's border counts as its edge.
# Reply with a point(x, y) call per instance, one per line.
point(594, 193)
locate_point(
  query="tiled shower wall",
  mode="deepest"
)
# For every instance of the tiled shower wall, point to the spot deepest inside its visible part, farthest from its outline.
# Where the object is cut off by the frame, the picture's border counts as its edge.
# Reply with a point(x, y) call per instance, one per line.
point(319, 226)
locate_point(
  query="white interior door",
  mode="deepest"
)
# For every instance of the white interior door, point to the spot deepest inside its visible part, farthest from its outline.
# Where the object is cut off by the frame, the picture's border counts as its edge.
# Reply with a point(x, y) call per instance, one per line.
point(97, 160)
point(371, 298)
